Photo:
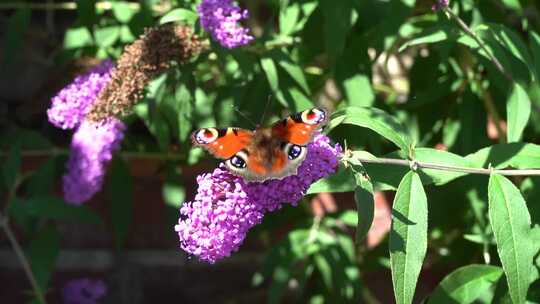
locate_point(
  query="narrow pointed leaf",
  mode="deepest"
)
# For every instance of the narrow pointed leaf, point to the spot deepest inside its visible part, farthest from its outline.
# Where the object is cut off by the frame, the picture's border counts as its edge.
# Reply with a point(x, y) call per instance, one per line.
point(408, 236)
point(270, 69)
point(518, 111)
point(511, 224)
point(365, 204)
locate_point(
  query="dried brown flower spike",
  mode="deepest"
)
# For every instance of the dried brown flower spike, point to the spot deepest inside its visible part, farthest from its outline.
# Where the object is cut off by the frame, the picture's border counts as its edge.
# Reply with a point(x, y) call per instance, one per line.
point(140, 62)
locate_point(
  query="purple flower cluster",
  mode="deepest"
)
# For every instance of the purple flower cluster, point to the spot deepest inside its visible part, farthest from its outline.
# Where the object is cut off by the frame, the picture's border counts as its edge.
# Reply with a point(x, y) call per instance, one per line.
point(216, 222)
point(92, 144)
point(440, 4)
point(92, 147)
point(71, 104)
point(84, 291)
point(220, 18)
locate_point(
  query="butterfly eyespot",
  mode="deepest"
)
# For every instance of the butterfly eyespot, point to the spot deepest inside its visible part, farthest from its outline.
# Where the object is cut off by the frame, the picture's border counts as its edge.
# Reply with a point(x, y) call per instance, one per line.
point(294, 152)
point(237, 162)
point(314, 116)
point(206, 136)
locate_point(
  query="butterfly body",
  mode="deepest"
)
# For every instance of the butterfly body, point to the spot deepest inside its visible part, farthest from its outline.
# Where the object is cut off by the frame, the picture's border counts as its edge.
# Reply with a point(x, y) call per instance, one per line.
point(265, 153)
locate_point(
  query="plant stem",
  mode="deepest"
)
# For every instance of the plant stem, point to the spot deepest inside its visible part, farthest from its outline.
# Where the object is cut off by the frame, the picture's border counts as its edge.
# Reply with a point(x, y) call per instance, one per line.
point(4, 223)
point(479, 41)
point(435, 166)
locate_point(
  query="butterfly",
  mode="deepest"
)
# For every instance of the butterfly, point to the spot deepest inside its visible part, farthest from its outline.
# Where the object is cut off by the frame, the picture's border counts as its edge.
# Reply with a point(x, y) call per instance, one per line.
point(265, 153)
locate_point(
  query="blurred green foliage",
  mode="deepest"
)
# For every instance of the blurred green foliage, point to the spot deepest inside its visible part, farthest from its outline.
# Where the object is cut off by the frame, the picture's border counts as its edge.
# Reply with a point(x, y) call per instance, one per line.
point(401, 79)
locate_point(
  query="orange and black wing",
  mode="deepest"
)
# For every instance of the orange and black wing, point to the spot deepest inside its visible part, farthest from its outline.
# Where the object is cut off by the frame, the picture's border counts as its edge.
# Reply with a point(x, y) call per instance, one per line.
point(299, 128)
point(222, 143)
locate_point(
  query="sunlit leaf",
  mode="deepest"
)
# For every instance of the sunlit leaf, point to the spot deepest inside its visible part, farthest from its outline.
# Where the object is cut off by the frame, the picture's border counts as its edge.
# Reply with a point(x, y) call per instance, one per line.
point(518, 109)
point(122, 12)
point(107, 36)
point(180, 14)
point(376, 120)
point(270, 69)
point(77, 38)
point(511, 224)
point(466, 284)
point(408, 236)
point(517, 155)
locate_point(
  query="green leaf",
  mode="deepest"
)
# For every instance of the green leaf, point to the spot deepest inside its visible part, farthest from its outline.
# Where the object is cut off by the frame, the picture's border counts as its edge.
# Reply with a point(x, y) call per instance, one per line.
point(87, 13)
point(512, 4)
point(122, 12)
point(339, 16)
point(518, 111)
point(505, 45)
point(511, 224)
point(466, 284)
point(353, 75)
point(154, 121)
point(517, 155)
point(42, 252)
point(288, 16)
point(534, 40)
point(78, 37)
point(48, 207)
point(408, 236)
point(14, 35)
point(270, 70)
point(120, 195)
point(293, 69)
point(511, 41)
point(358, 90)
point(11, 167)
point(173, 190)
point(180, 14)
point(26, 138)
point(43, 179)
point(341, 181)
point(439, 177)
point(107, 36)
point(325, 268)
point(376, 120)
point(185, 107)
point(438, 33)
point(365, 205)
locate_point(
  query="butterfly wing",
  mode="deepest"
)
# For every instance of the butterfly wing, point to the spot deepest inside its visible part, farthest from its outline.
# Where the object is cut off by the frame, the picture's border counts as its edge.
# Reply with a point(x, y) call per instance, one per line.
point(299, 128)
point(222, 143)
point(284, 147)
point(267, 153)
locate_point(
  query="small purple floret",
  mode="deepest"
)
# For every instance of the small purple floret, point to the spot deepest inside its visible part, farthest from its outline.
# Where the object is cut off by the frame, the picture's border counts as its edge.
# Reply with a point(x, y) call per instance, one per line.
point(84, 291)
point(440, 4)
point(220, 18)
point(92, 147)
point(216, 222)
point(70, 105)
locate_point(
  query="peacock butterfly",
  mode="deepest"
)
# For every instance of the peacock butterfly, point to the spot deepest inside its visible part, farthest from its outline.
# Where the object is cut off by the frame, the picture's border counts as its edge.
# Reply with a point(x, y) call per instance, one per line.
point(265, 153)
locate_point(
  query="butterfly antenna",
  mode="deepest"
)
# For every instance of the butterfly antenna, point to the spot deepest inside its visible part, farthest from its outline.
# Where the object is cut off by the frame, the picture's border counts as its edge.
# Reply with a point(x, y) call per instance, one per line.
point(265, 108)
point(245, 116)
